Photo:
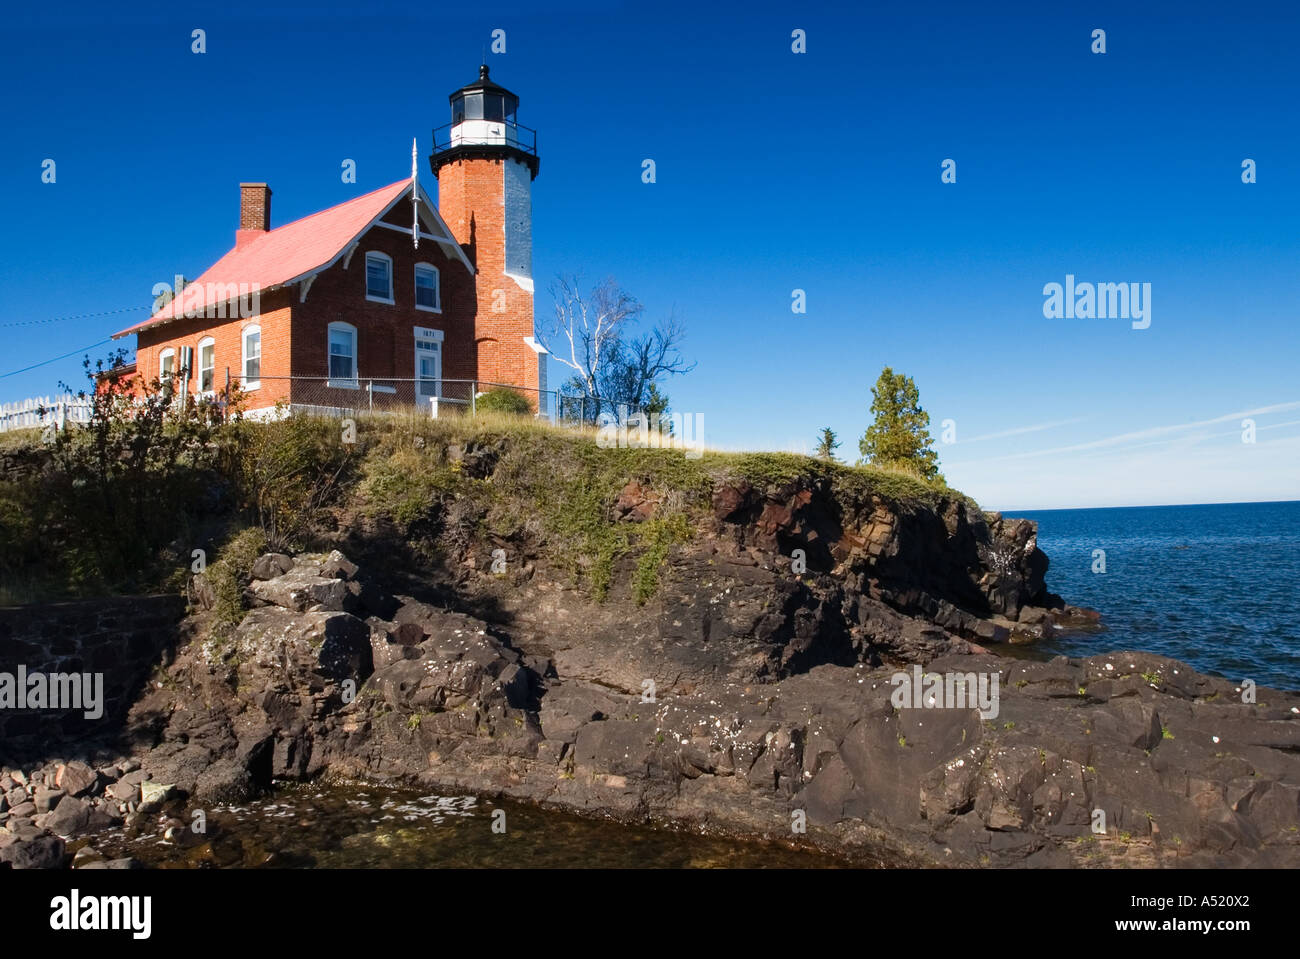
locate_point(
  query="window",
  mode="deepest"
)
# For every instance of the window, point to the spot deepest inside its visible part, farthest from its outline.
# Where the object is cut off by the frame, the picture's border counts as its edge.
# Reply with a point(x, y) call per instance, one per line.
point(166, 365)
point(426, 288)
point(379, 278)
point(428, 362)
point(252, 357)
point(207, 363)
point(343, 355)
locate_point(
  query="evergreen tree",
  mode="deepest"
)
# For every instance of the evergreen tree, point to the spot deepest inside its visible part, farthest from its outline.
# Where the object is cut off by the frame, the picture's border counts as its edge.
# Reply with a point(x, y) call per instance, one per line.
point(656, 404)
point(827, 444)
point(900, 436)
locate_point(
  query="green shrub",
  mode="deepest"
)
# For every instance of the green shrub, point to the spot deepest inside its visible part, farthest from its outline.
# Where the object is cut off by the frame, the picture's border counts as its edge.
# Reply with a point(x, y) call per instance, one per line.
point(658, 535)
point(403, 485)
point(503, 400)
point(288, 471)
point(228, 575)
point(125, 486)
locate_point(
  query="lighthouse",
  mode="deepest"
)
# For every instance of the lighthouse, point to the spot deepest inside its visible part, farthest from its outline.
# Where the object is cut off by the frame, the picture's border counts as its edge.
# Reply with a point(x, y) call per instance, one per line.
point(485, 163)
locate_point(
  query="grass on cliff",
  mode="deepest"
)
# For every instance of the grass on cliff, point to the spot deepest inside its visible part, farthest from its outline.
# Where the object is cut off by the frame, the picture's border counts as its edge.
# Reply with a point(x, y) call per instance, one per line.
point(557, 486)
point(281, 485)
point(227, 576)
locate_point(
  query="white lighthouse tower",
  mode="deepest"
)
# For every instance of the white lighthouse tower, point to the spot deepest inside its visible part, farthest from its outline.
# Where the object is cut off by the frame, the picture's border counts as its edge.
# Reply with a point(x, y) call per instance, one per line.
point(485, 162)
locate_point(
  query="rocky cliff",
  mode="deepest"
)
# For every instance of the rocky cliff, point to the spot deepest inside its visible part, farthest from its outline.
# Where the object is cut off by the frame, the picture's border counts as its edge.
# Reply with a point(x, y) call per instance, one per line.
point(754, 690)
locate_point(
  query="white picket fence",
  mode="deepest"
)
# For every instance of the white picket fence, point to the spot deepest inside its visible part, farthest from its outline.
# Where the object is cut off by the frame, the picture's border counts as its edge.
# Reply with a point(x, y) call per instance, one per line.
point(59, 410)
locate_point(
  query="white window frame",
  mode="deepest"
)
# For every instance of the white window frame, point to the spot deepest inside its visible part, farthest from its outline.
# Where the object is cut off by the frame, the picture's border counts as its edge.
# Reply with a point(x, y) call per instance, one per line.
point(198, 353)
point(341, 383)
point(244, 382)
point(163, 375)
point(366, 279)
point(424, 333)
point(437, 288)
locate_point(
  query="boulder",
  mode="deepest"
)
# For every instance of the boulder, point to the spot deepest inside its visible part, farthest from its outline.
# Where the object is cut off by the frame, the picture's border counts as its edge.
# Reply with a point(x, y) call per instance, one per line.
point(338, 566)
point(76, 778)
point(300, 590)
point(123, 792)
point(46, 798)
point(41, 852)
point(74, 816)
point(271, 565)
point(636, 503)
point(226, 781)
point(731, 501)
point(153, 795)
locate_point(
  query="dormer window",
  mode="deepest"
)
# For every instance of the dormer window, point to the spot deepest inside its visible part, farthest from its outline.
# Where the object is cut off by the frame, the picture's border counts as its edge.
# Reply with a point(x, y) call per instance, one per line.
point(379, 278)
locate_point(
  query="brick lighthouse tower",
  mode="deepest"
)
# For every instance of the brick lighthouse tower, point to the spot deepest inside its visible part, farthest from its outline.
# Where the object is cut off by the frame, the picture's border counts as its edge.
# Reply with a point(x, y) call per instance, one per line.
point(485, 163)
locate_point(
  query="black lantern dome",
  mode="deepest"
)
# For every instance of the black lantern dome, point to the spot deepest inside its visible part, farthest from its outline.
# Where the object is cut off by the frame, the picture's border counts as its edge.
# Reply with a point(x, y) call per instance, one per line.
point(483, 124)
point(483, 100)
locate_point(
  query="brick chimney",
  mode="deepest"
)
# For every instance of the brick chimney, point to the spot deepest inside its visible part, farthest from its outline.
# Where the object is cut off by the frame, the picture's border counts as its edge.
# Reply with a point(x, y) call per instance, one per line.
point(254, 212)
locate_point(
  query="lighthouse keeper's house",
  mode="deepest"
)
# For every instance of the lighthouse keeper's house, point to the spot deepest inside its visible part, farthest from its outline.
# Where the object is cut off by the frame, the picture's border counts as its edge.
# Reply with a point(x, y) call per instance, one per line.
point(312, 313)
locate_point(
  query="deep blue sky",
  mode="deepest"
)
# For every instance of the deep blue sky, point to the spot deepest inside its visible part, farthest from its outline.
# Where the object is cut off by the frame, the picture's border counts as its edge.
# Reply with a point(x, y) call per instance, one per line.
point(776, 171)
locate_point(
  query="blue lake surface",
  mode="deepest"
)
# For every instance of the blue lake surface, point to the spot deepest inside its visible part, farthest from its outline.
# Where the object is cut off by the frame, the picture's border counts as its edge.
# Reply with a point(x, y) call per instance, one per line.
point(1214, 585)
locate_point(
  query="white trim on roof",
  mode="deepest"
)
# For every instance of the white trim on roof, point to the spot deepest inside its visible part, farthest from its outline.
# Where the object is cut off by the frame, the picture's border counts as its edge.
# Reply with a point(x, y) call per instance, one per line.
point(423, 235)
point(439, 232)
point(426, 204)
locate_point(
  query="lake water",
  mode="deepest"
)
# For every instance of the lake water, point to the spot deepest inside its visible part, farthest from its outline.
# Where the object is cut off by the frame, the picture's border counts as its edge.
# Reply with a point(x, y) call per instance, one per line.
point(364, 825)
point(1214, 586)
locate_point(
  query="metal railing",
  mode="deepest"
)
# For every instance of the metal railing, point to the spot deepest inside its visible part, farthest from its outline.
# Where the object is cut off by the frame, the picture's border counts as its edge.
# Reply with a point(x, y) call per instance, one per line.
point(341, 396)
point(512, 135)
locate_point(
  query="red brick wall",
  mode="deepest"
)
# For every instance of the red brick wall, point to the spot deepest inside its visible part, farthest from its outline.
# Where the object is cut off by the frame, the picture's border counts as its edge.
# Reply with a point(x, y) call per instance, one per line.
point(385, 333)
point(471, 198)
point(479, 343)
point(275, 323)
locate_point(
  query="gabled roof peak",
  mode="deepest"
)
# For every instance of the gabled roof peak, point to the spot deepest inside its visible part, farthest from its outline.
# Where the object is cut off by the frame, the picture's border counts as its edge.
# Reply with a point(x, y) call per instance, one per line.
point(298, 250)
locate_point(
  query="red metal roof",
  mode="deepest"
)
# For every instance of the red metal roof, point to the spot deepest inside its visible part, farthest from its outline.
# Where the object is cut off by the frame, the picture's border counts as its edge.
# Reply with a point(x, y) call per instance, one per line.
point(285, 253)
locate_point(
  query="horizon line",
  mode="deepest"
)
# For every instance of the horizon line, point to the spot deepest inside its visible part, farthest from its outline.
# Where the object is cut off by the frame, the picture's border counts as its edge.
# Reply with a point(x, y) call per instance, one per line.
point(1044, 509)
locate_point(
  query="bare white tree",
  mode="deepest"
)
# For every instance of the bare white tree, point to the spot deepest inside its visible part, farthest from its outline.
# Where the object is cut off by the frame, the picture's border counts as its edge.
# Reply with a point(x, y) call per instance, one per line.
point(609, 367)
point(589, 324)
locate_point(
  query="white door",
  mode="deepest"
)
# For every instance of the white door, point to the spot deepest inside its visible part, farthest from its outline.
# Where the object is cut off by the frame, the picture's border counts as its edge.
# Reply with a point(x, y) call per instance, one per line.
point(428, 367)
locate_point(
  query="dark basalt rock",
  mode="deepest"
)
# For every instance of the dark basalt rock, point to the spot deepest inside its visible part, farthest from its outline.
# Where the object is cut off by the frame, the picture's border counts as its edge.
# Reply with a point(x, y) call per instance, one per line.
point(954, 565)
point(39, 852)
point(740, 694)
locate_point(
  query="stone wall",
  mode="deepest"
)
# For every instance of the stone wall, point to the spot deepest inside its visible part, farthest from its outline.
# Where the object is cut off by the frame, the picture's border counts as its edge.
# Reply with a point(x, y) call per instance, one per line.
point(121, 638)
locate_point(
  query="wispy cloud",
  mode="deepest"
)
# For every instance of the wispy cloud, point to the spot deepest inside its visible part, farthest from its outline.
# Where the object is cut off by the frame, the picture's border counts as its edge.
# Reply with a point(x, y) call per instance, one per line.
point(1021, 430)
point(1153, 436)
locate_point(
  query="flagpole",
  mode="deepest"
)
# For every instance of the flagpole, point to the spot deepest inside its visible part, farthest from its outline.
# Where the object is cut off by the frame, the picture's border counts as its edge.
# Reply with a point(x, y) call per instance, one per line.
point(415, 194)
